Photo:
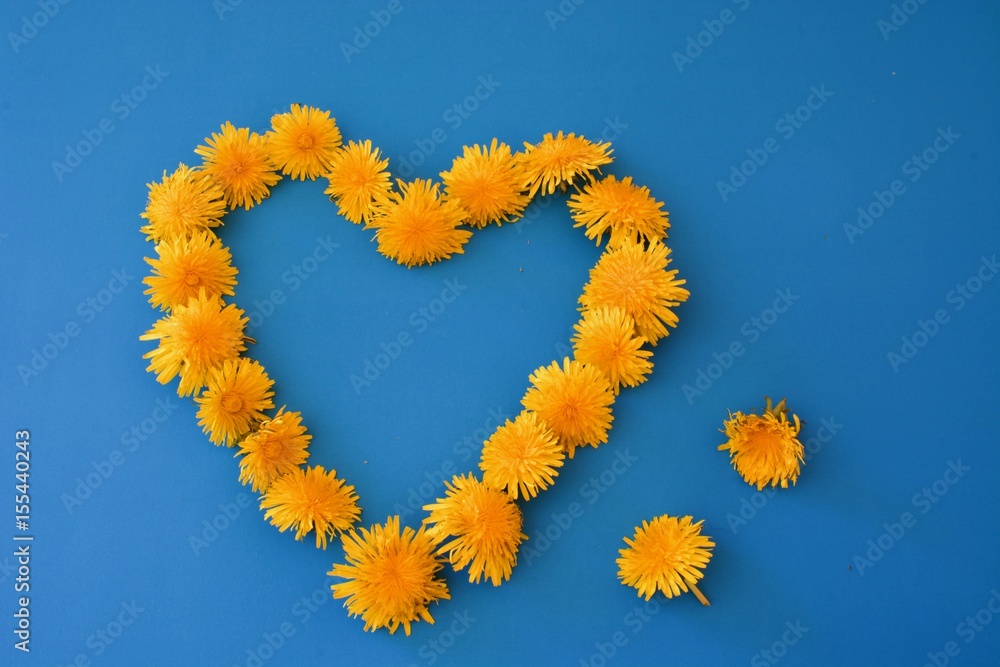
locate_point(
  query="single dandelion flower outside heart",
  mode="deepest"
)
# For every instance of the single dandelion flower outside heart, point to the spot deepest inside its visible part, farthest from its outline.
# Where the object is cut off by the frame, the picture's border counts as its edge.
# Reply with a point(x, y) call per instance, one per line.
point(605, 338)
point(635, 278)
point(278, 447)
point(479, 527)
point(186, 265)
point(666, 554)
point(765, 449)
point(390, 576)
point(303, 141)
point(623, 210)
point(238, 161)
point(238, 393)
point(521, 457)
point(575, 401)
point(185, 202)
point(555, 162)
point(311, 500)
point(358, 177)
point(488, 183)
point(416, 226)
point(193, 340)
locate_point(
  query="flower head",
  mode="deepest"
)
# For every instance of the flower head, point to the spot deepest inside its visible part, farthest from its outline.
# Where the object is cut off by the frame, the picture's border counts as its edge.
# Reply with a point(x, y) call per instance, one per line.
point(484, 525)
point(765, 448)
point(187, 265)
point(555, 161)
point(303, 141)
point(635, 278)
point(416, 226)
point(276, 448)
point(575, 401)
point(665, 554)
point(623, 210)
point(605, 338)
point(193, 340)
point(238, 393)
point(488, 183)
point(358, 178)
point(521, 456)
point(390, 576)
point(185, 202)
point(311, 499)
point(238, 161)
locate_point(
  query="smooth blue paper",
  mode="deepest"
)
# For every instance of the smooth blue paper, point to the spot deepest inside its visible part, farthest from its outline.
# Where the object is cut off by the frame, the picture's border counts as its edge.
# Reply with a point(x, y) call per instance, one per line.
point(831, 175)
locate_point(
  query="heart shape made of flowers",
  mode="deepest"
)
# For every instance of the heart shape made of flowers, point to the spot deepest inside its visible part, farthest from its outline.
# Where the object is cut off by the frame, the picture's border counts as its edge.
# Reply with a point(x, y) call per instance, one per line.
point(391, 573)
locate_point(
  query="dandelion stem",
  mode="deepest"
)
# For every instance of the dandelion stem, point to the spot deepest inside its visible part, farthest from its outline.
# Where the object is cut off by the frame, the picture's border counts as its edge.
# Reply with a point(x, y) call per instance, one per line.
point(698, 594)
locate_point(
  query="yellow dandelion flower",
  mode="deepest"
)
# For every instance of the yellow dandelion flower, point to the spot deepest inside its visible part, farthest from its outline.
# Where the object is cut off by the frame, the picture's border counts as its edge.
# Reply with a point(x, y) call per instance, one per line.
point(311, 499)
point(624, 210)
point(193, 340)
point(635, 278)
point(303, 141)
point(555, 161)
point(187, 265)
point(575, 401)
point(358, 178)
point(390, 576)
point(765, 449)
point(488, 183)
point(416, 226)
point(605, 338)
point(666, 554)
point(484, 525)
point(185, 202)
point(238, 393)
point(276, 448)
point(521, 457)
point(239, 163)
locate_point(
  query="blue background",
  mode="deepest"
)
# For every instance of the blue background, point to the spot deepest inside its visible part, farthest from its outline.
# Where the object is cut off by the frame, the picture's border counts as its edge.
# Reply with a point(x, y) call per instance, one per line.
point(799, 558)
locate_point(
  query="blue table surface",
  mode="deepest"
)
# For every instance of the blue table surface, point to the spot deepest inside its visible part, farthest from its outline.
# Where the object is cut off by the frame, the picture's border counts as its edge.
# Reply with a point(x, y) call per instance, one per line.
point(831, 172)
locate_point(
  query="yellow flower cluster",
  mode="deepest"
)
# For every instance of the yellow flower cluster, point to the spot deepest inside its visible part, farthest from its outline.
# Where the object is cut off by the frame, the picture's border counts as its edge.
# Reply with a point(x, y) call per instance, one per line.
point(392, 573)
